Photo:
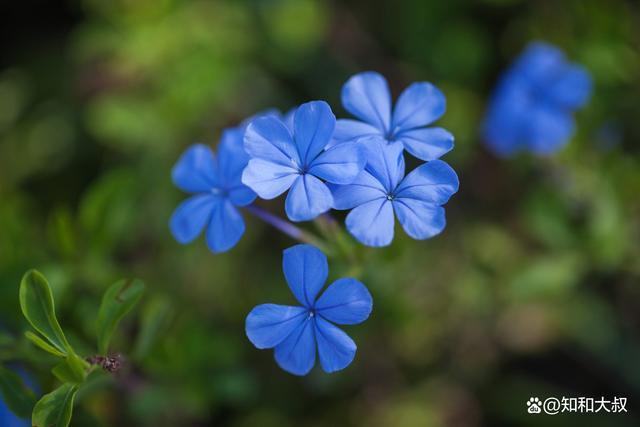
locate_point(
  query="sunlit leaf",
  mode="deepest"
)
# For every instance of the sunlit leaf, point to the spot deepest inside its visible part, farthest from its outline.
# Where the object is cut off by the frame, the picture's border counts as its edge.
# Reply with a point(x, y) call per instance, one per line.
point(117, 301)
point(55, 408)
point(36, 302)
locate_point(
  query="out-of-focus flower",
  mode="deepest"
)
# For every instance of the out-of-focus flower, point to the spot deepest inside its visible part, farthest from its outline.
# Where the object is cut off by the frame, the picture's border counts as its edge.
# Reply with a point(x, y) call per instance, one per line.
point(8, 418)
point(281, 160)
point(533, 104)
point(367, 96)
point(218, 191)
point(382, 189)
point(296, 331)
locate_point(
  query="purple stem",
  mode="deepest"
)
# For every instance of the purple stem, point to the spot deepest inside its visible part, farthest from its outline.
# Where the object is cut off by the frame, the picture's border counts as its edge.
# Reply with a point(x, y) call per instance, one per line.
point(285, 226)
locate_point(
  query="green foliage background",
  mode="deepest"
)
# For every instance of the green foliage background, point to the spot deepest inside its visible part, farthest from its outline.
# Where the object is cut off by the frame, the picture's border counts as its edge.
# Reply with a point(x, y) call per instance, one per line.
point(532, 290)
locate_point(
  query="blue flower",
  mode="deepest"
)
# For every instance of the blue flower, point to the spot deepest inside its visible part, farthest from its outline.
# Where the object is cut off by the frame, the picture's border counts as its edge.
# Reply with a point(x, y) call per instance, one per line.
point(531, 108)
point(296, 331)
point(218, 191)
point(382, 189)
point(281, 161)
point(366, 96)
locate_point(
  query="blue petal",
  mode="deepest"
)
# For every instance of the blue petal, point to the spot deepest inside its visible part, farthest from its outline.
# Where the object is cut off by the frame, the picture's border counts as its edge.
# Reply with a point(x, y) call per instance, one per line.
point(345, 302)
point(426, 143)
point(196, 171)
point(191, 216)
point(573, 88)
point(297, 353)
point(287, 119)
point(232, 159)
point(364, 189)
point(241, 195)
point(550, 129)
point(385, 162)
point(335, 348)
point(366, 96)
point(340, 164)
point(308, 198)
point(305, 268)
point(372, 223)
point(419, 219)
point(269, 139)
point(226, 227)
point(419, 105)
point(348, 130)
point(268, 179)
point(505, 126)
point(432, 182)
point(314, 123)
point(540, 63)
point(231, 156)
point(269, 324)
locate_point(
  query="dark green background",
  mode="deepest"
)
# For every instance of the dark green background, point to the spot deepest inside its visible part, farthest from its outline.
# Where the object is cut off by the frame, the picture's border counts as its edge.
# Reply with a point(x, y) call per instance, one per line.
point(532, 290)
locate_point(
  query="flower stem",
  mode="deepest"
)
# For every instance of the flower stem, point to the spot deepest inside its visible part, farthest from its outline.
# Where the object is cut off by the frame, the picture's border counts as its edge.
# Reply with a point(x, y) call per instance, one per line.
point(332, 231)
point(286, 227)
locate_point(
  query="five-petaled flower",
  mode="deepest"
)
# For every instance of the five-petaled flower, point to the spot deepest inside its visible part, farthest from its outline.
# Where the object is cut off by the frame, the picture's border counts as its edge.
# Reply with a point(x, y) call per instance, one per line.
point(297, 331)
point(218, 191)
point(281, 160)
point(382, 189)
point(531, 109)
point(367, 96)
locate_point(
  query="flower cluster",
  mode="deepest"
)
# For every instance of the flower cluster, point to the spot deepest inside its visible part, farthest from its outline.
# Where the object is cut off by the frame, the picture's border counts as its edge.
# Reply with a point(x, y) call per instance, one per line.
point(356, 165)
point(322, 164)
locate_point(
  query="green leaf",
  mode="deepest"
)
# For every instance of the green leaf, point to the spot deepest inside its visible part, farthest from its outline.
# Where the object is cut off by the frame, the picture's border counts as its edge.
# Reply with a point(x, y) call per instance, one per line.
point(35, 339)
point(117, 301)
point(55, 408)
point(71, 370)
point(36, 302)
point(15, 394)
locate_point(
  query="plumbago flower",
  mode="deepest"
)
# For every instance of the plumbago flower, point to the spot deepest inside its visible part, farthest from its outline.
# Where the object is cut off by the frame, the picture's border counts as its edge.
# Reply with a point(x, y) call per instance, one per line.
point(367, 96)
point(297, 161)
point(297, 331)
point(217, 192)
point(532, 106)
point(382, 190)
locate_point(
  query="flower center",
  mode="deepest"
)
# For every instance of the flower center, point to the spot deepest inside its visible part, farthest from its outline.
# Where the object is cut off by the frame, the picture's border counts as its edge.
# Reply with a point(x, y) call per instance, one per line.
point(312, 313)
point(390, 136)
point(390, 197)
point(219, 192)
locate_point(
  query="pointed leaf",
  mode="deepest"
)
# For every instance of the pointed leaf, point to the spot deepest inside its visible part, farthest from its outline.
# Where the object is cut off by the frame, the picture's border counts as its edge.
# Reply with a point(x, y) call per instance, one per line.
point(55, 408)
point(36, 340)
point(15, 394)
point(36, 302)
point(117, 301)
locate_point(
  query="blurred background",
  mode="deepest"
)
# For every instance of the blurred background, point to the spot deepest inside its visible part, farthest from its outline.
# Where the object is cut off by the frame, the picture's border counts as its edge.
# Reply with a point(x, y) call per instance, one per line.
point(532, 290)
